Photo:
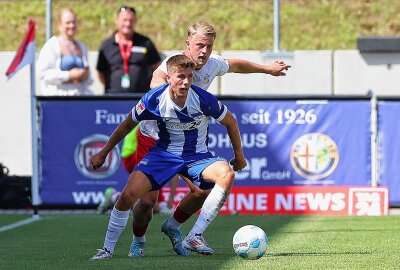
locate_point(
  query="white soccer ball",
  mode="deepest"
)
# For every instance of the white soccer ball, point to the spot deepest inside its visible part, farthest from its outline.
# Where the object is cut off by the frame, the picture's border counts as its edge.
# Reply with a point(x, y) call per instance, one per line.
point(250, 242)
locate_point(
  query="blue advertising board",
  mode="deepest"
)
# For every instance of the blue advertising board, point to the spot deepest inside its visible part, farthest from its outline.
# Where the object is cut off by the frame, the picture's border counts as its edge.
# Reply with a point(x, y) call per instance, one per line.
point(389, 156)
point(71, 131)
point(286, 143)
point(300, 142)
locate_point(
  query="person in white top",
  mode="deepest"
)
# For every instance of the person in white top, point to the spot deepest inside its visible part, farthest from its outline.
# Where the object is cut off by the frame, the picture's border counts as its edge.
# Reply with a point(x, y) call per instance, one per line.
point(199, 46)
point(63, 62)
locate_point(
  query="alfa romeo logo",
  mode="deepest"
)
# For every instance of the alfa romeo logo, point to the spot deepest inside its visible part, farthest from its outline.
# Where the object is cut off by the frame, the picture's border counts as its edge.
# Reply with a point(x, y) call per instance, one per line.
point(314, 156)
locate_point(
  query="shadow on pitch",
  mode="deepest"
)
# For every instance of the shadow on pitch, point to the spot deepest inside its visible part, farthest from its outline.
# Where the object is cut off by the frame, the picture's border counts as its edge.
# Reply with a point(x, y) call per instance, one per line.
point(299, 254)
point(340, 230)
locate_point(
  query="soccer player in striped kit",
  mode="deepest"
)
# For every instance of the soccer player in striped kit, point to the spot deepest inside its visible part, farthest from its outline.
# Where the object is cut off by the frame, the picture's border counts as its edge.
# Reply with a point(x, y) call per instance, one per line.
point(182, 112)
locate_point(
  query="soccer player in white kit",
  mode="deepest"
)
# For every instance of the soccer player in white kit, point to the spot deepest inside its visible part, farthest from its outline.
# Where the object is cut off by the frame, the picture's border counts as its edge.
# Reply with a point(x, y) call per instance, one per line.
point(199, 45)
point(182, 112)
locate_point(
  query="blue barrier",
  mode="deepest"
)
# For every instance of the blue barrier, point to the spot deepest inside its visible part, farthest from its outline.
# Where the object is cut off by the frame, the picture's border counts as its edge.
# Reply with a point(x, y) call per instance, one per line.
point(388, 146)
point(287, 142)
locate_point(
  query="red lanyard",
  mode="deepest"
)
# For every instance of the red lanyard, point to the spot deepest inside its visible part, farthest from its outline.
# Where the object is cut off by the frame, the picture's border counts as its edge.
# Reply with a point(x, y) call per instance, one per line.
point(125, 53)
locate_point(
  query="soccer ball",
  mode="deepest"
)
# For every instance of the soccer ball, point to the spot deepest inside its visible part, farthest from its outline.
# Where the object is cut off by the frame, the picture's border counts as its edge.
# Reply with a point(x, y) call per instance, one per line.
point(250, 242)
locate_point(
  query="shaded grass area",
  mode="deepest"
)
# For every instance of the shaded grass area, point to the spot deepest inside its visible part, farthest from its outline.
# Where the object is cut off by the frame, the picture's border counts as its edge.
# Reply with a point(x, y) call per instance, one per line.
point(68, 241)
point(241, 24)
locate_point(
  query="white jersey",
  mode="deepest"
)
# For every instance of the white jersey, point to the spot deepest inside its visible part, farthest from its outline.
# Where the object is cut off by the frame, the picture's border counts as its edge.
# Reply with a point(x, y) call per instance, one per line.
point(182, 131)
point(215, 66)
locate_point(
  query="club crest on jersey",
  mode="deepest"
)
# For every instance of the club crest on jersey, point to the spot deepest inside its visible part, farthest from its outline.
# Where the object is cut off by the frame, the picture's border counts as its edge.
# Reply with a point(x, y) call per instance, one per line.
point(140, 107)
point(206, 79)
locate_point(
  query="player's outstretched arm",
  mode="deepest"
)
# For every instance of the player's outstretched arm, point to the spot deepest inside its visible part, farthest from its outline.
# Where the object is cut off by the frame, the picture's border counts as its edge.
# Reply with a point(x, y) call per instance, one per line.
point(276, 68)
point(159, 78)
point(119, 133)
point(238, 162)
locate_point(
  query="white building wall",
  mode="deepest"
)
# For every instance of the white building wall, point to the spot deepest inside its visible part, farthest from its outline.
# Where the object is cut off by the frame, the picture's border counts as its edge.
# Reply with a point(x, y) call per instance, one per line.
point(311, 74)
point(356, 73)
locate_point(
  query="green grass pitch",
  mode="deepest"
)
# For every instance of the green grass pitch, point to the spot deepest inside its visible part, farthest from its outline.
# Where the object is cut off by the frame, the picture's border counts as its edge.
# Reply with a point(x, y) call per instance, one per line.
point(68, 241)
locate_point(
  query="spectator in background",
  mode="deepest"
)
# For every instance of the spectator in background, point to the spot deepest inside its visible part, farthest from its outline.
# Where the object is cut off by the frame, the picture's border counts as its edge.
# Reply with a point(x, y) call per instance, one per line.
point(63, 63)
point(127, 59)
point(125, 65)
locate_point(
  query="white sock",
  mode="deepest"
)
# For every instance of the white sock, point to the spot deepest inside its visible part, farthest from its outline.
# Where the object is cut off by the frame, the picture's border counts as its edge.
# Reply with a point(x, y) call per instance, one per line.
point(211, 207)
point(116, 225)
point(139, 238)
point(173, 223)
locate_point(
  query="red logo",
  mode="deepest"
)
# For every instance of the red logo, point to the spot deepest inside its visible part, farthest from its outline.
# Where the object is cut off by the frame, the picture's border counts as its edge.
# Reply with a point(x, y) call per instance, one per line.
point(368, 201)
point(139, 107)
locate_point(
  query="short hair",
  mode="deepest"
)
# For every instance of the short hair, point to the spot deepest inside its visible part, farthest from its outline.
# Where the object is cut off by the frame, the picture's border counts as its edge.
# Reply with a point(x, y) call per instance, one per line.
point(126, 8)
point(203, 28)
point(179, 62)
point(66, 10)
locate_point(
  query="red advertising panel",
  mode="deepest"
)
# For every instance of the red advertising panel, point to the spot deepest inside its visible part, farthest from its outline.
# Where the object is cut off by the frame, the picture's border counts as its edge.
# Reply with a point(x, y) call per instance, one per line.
point(301, 200)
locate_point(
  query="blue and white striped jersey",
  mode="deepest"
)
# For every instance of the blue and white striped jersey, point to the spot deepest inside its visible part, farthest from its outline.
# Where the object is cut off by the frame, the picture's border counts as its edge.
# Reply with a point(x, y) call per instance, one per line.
point(215, 66)
point(182, 131)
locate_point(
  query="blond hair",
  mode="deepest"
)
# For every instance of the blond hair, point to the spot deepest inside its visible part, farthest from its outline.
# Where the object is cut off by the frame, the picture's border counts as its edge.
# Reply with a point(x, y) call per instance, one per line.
point(66, 10)
point(203, 28)
point(179, 62)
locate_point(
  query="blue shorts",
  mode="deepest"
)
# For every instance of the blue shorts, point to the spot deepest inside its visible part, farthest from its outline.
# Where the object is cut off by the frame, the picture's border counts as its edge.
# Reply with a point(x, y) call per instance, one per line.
point(160, 166)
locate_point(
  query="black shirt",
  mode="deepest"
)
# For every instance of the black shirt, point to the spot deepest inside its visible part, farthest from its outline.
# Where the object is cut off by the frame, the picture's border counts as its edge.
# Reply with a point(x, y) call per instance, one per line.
point(144, 54)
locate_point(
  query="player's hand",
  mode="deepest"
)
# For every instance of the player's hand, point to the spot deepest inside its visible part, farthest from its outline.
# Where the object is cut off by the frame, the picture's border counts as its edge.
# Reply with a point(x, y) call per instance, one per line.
point(278, 67)
point(238, 163)
point(97, 161)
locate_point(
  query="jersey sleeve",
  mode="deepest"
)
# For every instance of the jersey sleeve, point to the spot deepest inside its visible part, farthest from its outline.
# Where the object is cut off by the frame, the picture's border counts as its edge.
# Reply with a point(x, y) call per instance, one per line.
point(223, 65)
point(163, 66)
point(142, 110)
point(218, 112)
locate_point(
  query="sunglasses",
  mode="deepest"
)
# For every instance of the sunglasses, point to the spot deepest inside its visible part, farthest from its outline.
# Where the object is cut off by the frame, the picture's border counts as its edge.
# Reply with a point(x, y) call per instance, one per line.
point(125, 8)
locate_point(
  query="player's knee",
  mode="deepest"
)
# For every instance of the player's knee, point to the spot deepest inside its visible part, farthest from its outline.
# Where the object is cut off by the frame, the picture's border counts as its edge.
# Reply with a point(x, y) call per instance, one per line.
point(147, 202)
point(226, 177)
point(128, 194)
point(126, 200)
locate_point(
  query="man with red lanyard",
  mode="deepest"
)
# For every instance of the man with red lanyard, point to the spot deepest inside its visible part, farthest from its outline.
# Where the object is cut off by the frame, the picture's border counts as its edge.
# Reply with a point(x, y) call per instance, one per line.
point(125, 64)
point(127, 59)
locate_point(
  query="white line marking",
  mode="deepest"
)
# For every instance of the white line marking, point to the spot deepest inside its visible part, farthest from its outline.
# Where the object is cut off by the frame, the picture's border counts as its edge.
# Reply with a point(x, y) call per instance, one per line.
point(19, 223)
